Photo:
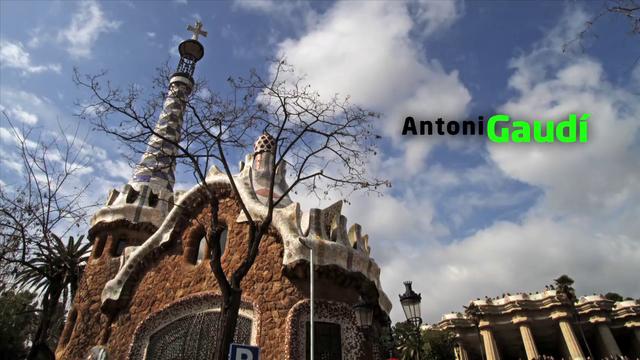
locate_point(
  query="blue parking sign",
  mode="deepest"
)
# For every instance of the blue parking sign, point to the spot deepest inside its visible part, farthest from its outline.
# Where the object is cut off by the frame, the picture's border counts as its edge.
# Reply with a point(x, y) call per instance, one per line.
point(244, 352)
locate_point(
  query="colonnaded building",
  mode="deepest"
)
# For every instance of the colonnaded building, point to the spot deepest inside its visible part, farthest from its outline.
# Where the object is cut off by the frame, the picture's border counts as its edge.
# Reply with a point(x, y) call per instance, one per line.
point(148, 292)
point(532, 326)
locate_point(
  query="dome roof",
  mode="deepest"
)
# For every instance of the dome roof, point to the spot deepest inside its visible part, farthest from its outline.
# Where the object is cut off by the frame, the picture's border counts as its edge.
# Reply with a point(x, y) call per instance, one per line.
point(265, 143)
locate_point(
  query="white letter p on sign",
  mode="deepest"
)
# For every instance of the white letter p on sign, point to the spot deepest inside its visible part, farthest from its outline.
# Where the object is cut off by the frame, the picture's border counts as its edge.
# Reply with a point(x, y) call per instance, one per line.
point(243, 354)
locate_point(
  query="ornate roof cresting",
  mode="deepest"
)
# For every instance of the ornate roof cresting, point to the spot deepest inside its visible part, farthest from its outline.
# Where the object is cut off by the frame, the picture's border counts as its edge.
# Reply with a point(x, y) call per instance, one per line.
point(323, 229)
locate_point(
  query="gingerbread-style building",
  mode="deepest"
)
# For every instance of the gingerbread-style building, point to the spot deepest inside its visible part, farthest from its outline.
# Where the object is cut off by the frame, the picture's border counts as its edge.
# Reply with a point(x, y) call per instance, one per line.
point(148, 292)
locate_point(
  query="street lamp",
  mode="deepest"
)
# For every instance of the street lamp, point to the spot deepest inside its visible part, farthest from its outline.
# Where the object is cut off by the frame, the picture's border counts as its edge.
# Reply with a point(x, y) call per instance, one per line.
point(411, 305)
point(364, 319)
point(364, 314)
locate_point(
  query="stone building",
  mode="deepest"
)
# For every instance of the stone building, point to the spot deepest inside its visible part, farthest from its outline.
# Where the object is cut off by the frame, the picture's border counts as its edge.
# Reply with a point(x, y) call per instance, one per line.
point(148, 292)
point(528, 326)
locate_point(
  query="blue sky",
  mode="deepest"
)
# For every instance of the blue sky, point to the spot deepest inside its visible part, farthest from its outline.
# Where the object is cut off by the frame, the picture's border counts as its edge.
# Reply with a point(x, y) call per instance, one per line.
point(479, 219)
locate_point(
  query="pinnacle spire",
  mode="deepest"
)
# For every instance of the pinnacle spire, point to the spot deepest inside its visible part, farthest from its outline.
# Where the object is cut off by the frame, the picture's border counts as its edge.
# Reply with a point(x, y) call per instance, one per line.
point(157, 166)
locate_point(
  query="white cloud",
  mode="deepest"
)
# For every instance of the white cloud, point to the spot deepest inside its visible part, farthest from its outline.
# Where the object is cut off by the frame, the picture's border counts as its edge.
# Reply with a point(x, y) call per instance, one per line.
point(11, 163)
point(20, 114)
point(151, 34)
point(594, 178)
point(256, 5)
point(635, 76)
point(13, 55)
point(173, 47)
point(585, 223)
point(119, 169)
point(36, 39)
point(86, 26)
point(435, 15)
point(512, 257)
point(26, 107)
point(6, 136)
point(365, 50)
point(284, 8)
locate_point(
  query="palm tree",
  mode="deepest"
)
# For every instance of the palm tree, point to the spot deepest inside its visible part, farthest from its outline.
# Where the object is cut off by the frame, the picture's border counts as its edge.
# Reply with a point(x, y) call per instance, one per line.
point(439, 344)
point(53, 271)
point(408, 342)
point(564, 286)
point(473, 312)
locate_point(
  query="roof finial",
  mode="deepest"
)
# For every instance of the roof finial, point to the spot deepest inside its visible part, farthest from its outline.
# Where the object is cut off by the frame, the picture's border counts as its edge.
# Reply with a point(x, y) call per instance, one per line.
point(197, 30)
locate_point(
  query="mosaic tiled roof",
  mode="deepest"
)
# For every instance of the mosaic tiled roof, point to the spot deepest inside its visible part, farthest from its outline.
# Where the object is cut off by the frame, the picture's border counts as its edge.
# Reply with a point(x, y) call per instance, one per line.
point(265, 143)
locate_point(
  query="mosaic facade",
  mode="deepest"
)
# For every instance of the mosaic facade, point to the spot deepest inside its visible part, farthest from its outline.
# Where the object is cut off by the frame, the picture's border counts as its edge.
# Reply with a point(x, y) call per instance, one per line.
point(157, 166)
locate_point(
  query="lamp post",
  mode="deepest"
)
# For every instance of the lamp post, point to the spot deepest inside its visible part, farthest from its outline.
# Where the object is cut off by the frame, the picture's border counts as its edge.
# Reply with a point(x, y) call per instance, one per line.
point(312, 340)
point(411, 306)
point(364, 314)
point(388, 336)
point(364, 319)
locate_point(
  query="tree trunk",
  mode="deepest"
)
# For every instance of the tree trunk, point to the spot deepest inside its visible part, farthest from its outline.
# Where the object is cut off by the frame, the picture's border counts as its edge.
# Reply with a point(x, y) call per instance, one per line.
point(227, 325)
point(39, 344)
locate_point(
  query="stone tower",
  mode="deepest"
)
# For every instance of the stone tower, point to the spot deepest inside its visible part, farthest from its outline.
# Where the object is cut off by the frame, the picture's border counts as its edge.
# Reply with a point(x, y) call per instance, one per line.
point(134, 212)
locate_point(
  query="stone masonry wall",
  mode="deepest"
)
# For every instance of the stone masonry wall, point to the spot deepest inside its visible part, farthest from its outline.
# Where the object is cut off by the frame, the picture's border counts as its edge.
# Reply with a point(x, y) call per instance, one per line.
point(85, 320)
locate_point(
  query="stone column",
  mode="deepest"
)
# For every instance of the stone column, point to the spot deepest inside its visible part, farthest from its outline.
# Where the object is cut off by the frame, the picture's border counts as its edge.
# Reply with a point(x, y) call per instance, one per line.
point(610, 345)
point(461, 352)
point(490, 345)
point(636, 339)
point(527, 339)
point(570, 339)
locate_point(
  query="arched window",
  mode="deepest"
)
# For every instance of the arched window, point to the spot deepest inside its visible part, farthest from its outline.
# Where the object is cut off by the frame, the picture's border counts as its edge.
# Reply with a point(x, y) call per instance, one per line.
point(120, 245)
point(223, 240)
point(203, 249)
point(98, 245)
point(153, 199)
point(132, 196)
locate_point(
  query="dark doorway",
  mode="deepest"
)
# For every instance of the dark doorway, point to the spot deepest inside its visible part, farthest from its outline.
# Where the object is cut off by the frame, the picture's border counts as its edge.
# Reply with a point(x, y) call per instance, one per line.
point(328, 345)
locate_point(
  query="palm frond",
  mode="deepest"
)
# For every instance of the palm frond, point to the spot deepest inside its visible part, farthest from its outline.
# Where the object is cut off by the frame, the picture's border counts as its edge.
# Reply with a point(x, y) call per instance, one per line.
point(54, 264)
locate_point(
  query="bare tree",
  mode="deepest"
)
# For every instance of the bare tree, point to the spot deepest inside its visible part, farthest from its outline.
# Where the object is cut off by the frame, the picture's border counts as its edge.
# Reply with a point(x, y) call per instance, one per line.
point(325, 145)
point(43, 203)
point(625, 10)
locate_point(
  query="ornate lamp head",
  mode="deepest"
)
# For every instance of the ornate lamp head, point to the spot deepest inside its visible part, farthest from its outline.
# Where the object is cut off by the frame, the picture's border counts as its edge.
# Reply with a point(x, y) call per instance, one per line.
point(411, 304)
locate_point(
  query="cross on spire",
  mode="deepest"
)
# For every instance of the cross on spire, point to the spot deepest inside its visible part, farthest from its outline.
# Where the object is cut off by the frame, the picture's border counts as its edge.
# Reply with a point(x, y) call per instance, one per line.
point(197, 30)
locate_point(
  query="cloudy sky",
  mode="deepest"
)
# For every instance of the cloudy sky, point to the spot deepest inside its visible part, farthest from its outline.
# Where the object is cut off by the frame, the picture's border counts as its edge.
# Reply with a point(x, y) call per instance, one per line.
point(464, 218)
